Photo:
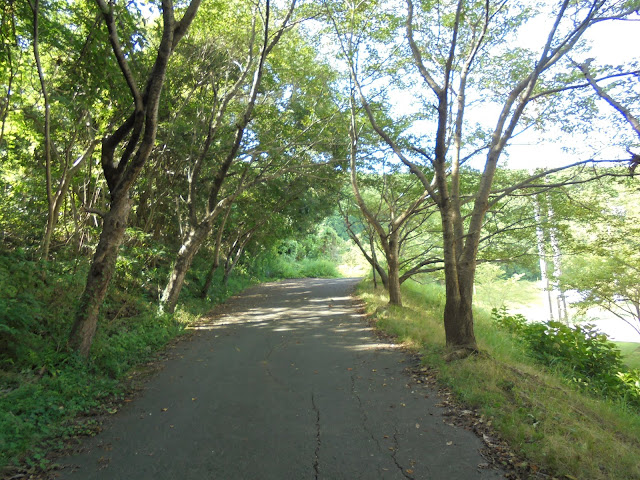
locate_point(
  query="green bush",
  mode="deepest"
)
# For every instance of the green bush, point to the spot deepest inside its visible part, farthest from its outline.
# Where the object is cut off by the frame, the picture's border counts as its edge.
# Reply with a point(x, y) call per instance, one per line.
point(514, 323)
point(630, 382)
point(584, 350)
point(582, 353)
point(20, 309)
point(283, 266)
point(318, 268)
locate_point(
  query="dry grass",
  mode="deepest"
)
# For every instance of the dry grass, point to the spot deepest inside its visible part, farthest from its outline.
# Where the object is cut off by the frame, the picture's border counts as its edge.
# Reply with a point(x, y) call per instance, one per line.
point(544, 418)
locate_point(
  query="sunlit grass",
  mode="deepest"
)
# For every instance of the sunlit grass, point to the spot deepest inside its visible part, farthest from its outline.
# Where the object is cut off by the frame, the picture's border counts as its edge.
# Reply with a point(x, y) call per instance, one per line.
point(547, 420)
point(630, 353)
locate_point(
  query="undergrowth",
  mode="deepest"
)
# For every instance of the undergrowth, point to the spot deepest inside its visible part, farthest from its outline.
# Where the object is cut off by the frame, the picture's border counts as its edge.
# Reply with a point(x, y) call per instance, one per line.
point(547, 418)
point(581, 353)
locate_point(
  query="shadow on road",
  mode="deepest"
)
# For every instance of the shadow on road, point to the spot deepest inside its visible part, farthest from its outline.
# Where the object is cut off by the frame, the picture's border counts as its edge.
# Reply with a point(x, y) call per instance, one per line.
point(285, 381)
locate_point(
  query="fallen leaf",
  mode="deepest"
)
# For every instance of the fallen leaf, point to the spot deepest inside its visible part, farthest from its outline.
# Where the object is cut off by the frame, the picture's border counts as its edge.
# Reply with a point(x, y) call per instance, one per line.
point(417, 425)
point(449, 443)
point(164, 409)
point(349, 368)
point(193, 399)
point(409, 471)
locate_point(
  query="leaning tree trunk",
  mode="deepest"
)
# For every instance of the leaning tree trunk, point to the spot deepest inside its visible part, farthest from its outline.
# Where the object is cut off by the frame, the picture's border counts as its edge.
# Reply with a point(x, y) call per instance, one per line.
point(375, 260)
point(100, 273)
point(138, 133)
point(216, 255)
point(209, 278)
point(184, 259)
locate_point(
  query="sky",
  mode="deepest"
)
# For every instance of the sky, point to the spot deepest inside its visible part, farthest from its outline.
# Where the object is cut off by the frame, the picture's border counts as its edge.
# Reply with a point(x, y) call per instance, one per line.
point(611, 43)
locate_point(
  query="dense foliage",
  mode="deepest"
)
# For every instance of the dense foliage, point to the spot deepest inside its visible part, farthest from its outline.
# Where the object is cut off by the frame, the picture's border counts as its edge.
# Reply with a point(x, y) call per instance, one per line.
point(582, 353)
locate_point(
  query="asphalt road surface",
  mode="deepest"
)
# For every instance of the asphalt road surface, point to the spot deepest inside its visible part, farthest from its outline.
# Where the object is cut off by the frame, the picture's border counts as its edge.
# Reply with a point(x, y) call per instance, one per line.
point(286, 381)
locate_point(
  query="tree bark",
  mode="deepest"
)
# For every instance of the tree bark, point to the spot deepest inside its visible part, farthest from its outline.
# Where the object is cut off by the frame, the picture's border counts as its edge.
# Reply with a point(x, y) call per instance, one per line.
point(458, 312)
point(459, 273)
point(374, 261)
point(46, 240)
point(544, 276)
point(100, 274)
point(184, 259)
point(393, 270)
point(563, 314)
point(216, 255)
point(138, 133)
point(209, 278)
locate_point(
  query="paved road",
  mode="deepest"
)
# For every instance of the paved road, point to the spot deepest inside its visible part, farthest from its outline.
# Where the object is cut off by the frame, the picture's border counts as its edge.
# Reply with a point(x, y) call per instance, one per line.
point(286, 382)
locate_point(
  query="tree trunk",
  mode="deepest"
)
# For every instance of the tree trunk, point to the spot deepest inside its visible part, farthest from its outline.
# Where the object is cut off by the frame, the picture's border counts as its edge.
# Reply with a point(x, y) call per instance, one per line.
point(209, 278)
point(184, 259)
point(100, 274)
point(557, 268)
point(543, 260)
point(46, 240)
point(139, 133)
point(375, 260)
point(458, 313)
point(395, 296)
point(459, 280)
point(216, 254)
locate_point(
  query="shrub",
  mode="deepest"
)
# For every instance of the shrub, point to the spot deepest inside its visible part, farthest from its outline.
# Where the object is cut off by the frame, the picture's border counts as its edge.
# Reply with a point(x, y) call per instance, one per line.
point(582, 353)
point(514, 323)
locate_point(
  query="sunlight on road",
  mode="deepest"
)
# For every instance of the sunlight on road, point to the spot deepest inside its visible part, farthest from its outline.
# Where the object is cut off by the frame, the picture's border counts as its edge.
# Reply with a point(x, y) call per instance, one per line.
point(305, 314)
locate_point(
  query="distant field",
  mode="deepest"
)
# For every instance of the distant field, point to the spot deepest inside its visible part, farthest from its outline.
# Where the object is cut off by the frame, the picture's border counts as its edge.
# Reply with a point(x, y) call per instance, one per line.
point(631, 353)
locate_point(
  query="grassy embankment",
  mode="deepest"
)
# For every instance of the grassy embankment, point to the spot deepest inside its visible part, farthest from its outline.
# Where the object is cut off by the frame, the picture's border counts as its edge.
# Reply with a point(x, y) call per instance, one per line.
point(545, 419)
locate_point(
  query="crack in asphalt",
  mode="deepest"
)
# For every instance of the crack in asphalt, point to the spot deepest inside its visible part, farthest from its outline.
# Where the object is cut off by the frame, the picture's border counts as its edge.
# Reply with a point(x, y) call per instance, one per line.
point(316, 460)
point(284, 343)
point(363, 411)
point(395, 460)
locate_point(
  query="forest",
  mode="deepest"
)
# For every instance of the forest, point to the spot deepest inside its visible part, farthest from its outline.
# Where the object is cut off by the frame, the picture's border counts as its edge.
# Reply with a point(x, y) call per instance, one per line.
point(158, 157)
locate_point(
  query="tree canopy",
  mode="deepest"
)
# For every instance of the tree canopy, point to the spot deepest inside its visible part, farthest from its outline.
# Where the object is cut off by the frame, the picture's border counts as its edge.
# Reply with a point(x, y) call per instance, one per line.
point(218, 129)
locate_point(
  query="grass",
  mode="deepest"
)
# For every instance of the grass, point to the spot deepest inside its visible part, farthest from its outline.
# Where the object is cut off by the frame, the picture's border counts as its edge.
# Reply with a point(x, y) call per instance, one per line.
point(285, 267)
point(630, 353)
point(548, 421)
